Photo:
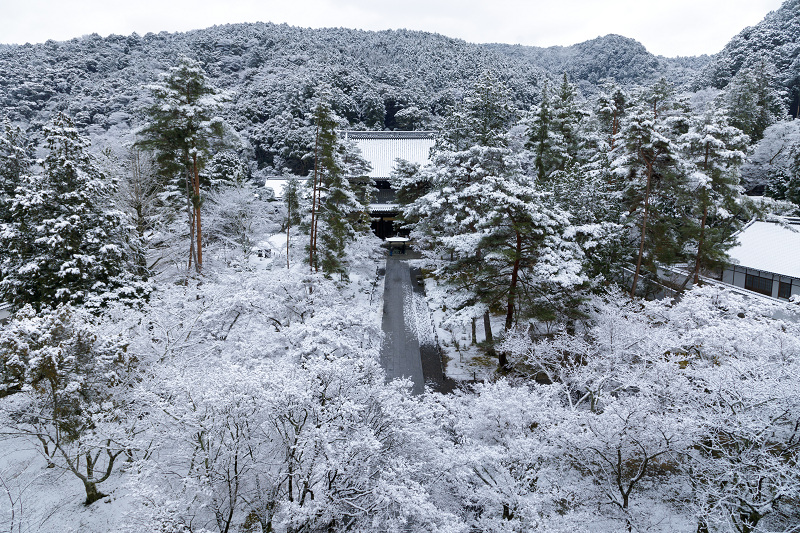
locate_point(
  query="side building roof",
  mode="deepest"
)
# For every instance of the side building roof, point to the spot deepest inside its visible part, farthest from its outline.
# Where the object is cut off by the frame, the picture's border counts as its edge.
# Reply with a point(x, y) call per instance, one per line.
point(770, 247)
point(383, 148)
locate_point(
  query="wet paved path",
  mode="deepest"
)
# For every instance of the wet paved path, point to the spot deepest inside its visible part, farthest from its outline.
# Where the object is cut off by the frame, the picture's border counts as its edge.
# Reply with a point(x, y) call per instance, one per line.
point(400, 355)
point(409, 347)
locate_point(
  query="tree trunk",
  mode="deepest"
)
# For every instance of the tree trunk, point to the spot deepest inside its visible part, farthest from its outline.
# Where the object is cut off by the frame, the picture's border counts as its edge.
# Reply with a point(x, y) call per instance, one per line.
point(614, 127)
point(92, 493)
point(644, 228)
point(197, 222)
point(512, 290)
point(749, 520)
point(190, 215)
point(474, 331)
point(700, 244)
point(288, 225)
point(508, 514)
point(701, 240)
point(313, 231)
point(487, 327)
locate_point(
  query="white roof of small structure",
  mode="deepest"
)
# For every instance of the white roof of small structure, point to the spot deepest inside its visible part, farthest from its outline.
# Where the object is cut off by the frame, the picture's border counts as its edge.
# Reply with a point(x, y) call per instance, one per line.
point(383, 148)
point(770, 247)
point(277, 184)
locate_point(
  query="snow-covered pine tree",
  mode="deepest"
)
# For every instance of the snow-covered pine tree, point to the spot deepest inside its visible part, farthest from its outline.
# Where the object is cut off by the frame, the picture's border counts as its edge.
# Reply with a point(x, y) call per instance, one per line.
point(291, 201)
point(506, 244)
point(715, 150)
point(183, 125)
point(752, 100)
point(71, 373)
point(225, 168)
point(65, 244)
point(337, 214)
point(610, 109)
point(646, 163)
point(15, 159)
point(555, 132)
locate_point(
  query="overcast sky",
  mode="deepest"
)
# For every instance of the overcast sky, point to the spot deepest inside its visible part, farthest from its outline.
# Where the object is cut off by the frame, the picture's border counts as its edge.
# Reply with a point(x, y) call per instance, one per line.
point(665, 27)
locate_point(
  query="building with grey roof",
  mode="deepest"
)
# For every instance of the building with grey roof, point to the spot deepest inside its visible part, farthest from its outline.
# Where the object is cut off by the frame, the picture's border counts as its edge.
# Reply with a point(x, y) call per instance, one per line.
point(766, 259)
point(382, 149)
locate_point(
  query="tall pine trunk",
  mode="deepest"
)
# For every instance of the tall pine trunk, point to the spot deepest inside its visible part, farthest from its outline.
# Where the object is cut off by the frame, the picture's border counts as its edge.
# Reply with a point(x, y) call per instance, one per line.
point(512, 290)
point(197, 221)
point(644, 228)
point(288, 225)
point(190, 215)
point(701, 240)
point(312, 248)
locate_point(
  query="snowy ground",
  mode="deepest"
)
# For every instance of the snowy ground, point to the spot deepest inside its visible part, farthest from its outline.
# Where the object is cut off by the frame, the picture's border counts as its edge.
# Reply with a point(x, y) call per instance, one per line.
point(463, 360)
point(34, 498)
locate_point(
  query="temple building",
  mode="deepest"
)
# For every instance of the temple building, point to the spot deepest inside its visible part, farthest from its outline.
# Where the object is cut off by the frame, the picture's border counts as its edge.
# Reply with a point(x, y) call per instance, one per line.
point(382, 149)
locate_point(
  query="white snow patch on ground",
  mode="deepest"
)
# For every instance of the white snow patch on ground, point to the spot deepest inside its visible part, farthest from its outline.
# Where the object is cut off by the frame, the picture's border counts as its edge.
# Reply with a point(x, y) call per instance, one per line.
point(34, 498)
point(463, 360)
point(417, 317)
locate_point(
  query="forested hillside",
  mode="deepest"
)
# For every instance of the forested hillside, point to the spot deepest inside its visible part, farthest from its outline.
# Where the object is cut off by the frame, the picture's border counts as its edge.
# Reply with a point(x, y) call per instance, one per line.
point(771, 47)
point(384, 80)
point(378, 80)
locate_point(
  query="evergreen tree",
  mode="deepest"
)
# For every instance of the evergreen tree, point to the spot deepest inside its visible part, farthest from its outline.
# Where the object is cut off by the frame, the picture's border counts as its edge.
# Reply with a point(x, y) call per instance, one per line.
point(507, 246)
point(610, 110)
point(291, 200)
point(337, 215)
point(182, 128)
point(410, 183)
point(225, 168)
point(528, 265)
point(647, 163)
point(555, 135)
point(752, 101)
point(65, 244)
point(15, 160)
point(489, 110)
point(715, 150)
point(591, 197)
point(539, 136)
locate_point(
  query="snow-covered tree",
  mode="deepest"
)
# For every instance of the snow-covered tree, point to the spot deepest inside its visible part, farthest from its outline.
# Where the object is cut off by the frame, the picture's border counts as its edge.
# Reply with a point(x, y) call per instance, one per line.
point(15, 161)
point(142, 196)
point(337, 213)
point(292, 195)
point(752, 101)
point(647, 165)
point(66, 242)
point(72, 372)
point(555, 136)
point(499, 462)
point(238, 217)
point(611, 106)
point(183, 125)
point(715, 150)
point(743, 467)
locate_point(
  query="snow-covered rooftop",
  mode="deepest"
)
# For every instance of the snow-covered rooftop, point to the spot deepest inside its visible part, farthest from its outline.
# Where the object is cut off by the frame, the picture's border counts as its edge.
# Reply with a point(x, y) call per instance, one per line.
point(770, 247)
point(383, 148)
point(277, 185)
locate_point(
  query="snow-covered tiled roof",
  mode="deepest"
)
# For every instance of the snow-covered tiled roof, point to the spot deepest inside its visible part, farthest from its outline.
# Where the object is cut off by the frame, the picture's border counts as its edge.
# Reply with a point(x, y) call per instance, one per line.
point(769, 247)
point(383, 148)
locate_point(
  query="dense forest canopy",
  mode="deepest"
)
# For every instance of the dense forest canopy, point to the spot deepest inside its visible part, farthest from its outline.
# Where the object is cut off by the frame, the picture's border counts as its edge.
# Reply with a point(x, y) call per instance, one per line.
point(271, 70)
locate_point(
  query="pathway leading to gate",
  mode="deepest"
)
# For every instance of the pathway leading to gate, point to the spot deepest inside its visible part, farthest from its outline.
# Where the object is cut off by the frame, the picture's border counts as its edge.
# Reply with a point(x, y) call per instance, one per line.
point(409, 346)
